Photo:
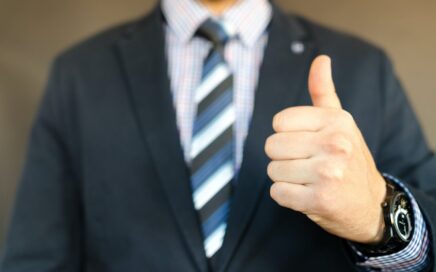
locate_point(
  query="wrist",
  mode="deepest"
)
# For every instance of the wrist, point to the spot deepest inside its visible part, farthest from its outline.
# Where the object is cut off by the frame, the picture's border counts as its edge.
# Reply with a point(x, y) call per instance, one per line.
point(381, 228)
point(398, 225)
point(378, 222)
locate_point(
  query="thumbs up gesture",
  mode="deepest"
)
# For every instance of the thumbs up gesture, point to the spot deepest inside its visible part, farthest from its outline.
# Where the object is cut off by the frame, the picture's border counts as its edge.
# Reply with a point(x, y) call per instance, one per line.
point(321, 165)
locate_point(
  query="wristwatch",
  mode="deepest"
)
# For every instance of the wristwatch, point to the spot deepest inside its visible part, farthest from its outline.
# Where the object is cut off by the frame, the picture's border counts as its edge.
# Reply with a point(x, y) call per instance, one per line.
point(398, 219)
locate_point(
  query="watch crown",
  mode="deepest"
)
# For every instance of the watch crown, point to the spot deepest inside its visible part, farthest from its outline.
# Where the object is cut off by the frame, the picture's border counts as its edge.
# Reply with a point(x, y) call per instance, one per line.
point(403, 203)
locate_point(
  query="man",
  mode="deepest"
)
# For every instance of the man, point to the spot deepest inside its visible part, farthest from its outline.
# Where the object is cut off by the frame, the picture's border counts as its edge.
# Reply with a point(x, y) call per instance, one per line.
point(131, 170)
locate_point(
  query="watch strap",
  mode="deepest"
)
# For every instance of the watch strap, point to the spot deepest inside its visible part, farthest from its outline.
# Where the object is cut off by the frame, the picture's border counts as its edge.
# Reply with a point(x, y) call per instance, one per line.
point(390, 243)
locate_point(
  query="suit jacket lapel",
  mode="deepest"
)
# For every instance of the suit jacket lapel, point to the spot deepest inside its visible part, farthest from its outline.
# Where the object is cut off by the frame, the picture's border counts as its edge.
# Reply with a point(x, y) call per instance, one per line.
point(282, 80)
point(143, 57)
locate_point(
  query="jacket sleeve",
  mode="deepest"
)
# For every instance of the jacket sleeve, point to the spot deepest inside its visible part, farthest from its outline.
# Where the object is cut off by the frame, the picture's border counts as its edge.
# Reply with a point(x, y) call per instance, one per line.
point(404, 152)
point(44, 233)
point(414, 257)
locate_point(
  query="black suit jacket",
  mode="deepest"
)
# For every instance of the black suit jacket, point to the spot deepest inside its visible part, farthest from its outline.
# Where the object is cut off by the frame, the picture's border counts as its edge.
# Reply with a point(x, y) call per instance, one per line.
point(105, 186)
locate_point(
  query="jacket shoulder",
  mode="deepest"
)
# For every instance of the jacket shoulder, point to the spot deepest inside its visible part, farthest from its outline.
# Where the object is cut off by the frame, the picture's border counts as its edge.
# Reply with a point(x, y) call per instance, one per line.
point(339, 43)
point(97, 47)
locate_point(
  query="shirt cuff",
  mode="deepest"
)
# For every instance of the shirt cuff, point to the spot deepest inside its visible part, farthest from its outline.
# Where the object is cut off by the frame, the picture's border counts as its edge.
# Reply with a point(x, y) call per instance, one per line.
point(414, 257)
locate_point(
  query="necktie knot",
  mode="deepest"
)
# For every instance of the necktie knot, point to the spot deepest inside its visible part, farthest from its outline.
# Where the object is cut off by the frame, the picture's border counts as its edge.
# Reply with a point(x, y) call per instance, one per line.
point(215, 31)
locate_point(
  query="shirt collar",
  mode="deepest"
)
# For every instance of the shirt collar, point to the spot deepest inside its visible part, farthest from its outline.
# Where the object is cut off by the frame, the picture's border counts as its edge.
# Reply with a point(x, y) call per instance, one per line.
point(249, 18)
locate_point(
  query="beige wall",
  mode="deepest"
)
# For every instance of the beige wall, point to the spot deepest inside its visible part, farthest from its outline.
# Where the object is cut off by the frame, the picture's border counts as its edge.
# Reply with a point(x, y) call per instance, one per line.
point(32, 32)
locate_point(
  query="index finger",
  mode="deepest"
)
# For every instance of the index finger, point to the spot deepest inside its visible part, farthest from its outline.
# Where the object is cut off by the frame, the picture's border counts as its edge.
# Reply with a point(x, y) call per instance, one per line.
point(302, 118)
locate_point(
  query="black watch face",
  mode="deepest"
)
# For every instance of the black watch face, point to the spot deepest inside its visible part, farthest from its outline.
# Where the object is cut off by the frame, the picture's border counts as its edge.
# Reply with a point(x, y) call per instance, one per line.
point(402, 220)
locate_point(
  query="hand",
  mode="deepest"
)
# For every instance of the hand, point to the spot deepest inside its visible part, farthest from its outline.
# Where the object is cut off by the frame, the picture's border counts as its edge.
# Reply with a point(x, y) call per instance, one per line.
point(321, 165)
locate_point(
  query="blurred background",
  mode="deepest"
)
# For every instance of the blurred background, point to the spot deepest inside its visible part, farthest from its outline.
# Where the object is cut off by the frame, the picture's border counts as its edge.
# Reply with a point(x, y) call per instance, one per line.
point(33, 32)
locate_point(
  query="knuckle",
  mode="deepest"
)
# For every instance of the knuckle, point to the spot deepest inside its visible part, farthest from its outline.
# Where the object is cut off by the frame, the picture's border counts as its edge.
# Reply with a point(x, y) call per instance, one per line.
point(334, 116)
point(278, 194)
point(270, 170)
point(323, 171)
point(330, 172)
point(342, 118)
point(338, 173)
point(347, 117)
point(339, 144)
point(269, 146)
point(278, 122)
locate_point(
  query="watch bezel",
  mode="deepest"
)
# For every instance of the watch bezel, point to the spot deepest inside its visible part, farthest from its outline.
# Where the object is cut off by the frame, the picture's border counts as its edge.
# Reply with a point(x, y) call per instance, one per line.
point(396, 209)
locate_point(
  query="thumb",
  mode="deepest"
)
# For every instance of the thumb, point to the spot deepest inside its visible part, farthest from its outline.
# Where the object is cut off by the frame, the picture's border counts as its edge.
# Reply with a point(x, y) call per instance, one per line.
point(321, 86)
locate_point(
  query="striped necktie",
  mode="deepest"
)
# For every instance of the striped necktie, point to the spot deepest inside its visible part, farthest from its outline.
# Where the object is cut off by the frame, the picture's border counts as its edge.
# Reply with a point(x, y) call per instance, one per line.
point(213, 148)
